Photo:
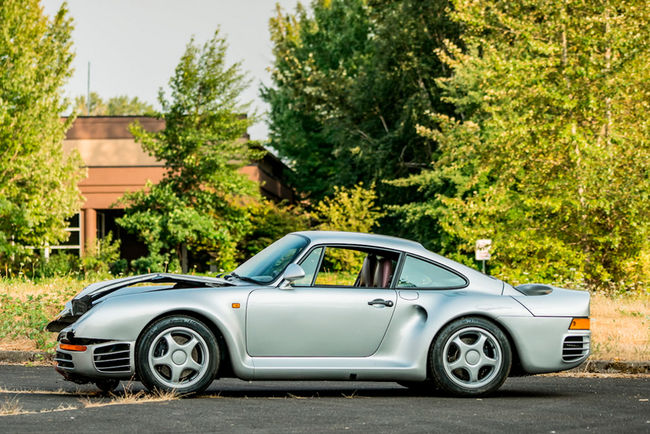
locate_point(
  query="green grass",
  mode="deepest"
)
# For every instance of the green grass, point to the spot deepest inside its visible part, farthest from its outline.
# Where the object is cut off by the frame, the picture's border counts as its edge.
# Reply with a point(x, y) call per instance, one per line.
point(27, 306)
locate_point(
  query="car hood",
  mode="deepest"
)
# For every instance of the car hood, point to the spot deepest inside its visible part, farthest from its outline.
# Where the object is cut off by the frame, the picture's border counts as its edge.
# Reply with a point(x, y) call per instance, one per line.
point(99, 289)
point(84, 301)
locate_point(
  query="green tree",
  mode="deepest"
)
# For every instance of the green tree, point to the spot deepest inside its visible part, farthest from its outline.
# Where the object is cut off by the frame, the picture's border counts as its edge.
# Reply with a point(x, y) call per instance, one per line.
point(120, 105)
point(91, 105)
point(548, 152)
point(38, 182)
point(349, 209)
point(270, 222)
point(200, 205)
point(351, 80)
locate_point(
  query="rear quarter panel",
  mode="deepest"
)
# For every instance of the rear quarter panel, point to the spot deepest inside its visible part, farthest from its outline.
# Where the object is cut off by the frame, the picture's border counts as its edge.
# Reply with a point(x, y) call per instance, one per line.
point(420, 315)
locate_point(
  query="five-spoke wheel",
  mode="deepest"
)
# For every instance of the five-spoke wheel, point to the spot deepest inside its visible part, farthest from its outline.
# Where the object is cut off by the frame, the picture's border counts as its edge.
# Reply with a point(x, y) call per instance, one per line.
point(177, 353)
point(471, 356)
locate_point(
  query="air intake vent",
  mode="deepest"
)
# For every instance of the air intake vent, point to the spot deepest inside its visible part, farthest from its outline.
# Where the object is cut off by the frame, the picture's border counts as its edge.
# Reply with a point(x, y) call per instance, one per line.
point(114, 358)
point(575, 348)
point(63, 360)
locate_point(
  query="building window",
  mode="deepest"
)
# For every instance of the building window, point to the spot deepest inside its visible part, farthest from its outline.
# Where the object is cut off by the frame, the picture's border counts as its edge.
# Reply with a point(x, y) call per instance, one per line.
point(73, 243)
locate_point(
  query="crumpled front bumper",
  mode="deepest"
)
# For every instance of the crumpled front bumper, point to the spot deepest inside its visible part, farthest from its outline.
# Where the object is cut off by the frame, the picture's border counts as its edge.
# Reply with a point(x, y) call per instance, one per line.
point(114, 359)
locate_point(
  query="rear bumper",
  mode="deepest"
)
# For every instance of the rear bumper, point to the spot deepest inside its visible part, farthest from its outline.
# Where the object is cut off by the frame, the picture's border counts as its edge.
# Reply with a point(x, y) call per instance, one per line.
point(545, 344)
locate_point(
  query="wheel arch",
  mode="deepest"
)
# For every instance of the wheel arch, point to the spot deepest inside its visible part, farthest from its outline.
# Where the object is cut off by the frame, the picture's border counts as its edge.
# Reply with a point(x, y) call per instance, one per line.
point(225, 364)
point(516, 361)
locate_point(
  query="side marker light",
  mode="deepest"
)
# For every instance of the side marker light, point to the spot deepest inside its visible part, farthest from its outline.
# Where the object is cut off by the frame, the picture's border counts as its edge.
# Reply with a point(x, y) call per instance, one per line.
point(236, 305)
point(71, 347)
point(579, 324)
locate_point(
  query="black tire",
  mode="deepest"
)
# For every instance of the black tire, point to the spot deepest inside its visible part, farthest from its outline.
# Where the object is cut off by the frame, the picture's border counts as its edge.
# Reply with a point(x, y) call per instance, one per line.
point(470, 357)
point(177, 353)
point(107, 385)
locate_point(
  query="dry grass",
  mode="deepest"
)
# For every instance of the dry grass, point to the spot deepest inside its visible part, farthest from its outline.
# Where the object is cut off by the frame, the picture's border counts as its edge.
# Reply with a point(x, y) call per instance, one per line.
point(129, 397)
point(11, 407)
point(17, 344)
point(26, 306)
point(574, 374)
point(620, 327)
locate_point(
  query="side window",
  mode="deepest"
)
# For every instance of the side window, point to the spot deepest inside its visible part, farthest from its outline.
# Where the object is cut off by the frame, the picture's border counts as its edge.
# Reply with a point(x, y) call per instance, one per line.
point(369, 268)
point(340, 267)
point(417, 273)
point(309, 264)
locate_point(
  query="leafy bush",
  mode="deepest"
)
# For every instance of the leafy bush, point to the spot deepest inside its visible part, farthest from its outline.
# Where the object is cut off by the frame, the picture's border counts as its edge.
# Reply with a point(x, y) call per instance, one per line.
point(156, 263)
point(58, 264)
point(99, 257)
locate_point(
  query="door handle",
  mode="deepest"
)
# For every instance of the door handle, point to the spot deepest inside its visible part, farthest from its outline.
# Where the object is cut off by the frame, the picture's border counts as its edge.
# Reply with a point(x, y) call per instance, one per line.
point(387, 303)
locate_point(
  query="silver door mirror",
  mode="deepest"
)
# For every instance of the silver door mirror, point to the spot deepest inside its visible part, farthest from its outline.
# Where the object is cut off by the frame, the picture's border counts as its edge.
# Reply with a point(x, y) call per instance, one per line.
point(291, 274)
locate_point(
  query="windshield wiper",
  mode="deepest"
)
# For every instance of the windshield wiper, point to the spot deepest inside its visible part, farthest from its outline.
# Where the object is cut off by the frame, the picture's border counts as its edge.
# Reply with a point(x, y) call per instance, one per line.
point(244, 278)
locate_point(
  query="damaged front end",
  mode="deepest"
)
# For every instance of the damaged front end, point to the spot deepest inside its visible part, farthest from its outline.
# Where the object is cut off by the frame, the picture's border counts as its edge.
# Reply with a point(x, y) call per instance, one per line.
point(92, 294)
point(84, 359)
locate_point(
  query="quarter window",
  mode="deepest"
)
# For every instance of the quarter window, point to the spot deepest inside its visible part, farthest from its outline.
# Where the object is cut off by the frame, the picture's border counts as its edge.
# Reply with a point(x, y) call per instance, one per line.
point(309, 264)
point(417, 273)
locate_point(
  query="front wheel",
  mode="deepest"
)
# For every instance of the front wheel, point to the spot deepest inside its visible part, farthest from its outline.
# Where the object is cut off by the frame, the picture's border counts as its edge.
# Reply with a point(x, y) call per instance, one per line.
point(470, 357)
point(179, 354)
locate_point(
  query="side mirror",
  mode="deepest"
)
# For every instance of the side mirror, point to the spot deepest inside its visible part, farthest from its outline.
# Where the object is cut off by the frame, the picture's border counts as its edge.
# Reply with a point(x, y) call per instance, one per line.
point(291, 274)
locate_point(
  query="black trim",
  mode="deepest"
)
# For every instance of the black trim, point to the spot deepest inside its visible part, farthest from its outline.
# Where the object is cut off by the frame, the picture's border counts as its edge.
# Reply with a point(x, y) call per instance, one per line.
point(320, 260)
point(365, 249)
point(534, 289)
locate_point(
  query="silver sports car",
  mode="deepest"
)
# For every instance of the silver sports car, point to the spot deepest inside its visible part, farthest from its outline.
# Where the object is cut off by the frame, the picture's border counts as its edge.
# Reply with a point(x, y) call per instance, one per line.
point(323, 306)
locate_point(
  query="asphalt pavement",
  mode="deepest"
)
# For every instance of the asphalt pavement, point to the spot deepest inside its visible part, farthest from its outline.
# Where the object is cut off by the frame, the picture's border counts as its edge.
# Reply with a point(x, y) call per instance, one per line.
point(43, 402)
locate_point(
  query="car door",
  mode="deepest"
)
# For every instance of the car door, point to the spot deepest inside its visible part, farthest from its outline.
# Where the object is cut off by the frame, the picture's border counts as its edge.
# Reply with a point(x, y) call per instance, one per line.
point(332, 312)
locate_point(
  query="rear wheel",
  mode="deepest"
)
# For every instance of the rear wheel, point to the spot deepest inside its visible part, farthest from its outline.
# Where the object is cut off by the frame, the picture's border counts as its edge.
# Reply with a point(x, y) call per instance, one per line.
point(470, 357)
point(178, 354)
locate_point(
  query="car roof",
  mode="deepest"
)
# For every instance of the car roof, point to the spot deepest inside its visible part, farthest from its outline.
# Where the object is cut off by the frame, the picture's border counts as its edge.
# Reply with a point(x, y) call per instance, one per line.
point(484, 283)
point(363, 239)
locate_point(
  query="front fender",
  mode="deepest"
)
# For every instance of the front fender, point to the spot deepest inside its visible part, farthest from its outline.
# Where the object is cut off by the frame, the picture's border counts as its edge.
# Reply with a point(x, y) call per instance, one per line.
point(125, 317)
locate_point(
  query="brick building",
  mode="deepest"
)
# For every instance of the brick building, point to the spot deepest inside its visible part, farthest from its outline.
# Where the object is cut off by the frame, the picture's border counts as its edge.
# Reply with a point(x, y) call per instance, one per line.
point(117, 164)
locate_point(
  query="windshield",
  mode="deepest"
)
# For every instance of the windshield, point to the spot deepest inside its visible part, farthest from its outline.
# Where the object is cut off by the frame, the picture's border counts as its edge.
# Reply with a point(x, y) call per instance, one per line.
point(267, 265)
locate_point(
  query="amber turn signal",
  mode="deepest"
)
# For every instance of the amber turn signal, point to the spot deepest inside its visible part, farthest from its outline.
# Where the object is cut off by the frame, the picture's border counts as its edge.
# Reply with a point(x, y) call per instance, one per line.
point(236, 305)
point(579, 324)
point(71, 347)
